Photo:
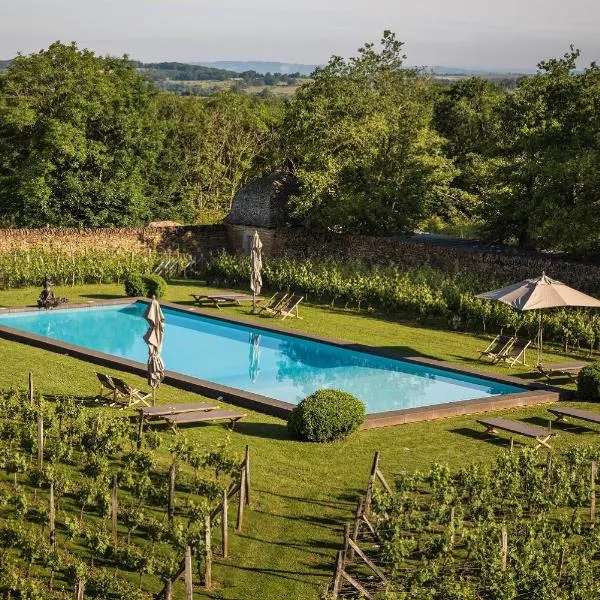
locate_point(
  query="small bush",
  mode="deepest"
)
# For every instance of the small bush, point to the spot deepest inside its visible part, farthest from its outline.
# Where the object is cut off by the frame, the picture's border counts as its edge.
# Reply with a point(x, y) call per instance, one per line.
point(145, 285)
point(326, 415)
point(134, 285)
point(155, 286)
point(588, 383)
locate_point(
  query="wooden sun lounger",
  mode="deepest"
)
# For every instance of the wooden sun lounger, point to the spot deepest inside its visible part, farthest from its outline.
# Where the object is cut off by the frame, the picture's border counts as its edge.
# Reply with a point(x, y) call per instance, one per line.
point(540, 435)
point(498, 346)
point(515, 353)
point(173, 409)
point(571, 369)
point(576, 413)
point(274, 303)
point(133, 395)
point(219, 300)
point(203, 416)
point(290, 307)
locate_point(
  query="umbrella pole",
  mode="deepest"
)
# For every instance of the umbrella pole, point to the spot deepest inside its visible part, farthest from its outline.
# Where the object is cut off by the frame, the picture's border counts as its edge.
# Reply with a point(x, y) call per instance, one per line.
point(153, 396)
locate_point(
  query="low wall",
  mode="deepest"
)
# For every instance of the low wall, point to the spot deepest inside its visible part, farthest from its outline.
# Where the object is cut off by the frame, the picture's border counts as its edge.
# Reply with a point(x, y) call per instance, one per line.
point(193, 239)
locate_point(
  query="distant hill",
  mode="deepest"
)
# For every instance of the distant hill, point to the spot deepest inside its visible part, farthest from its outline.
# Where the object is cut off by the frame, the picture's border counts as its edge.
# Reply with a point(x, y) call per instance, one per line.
point(442, 70)
point(242, 66)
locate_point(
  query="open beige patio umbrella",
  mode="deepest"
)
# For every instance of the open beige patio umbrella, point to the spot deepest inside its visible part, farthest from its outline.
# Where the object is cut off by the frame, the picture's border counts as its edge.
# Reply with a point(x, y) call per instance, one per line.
point(538, 294)
point(154, 339)
point(256, 267)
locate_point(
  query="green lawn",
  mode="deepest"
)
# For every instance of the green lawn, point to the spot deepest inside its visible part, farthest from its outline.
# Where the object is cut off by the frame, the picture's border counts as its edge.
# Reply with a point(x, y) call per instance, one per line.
point(303, 493)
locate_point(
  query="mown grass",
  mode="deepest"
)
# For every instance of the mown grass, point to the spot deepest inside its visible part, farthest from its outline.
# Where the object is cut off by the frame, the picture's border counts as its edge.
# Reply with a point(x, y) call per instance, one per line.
point(302, 493)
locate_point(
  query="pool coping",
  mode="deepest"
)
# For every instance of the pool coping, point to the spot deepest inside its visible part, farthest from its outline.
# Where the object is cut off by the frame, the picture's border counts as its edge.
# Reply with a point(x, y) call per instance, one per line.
point(533, 394)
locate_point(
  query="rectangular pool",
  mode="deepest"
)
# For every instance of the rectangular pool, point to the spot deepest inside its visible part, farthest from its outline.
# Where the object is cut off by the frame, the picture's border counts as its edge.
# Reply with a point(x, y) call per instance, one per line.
point(255, 360)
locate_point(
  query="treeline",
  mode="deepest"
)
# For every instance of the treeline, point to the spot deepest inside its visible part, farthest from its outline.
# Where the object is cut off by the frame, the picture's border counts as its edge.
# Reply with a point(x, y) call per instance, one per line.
point(377, 148)
point(174, 71)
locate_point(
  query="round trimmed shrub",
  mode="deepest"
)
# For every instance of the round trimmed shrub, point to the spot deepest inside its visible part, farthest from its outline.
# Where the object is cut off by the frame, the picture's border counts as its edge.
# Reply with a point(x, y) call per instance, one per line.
point(155, 286)
point(588, 383)
point(326, 415)
point(134, 285)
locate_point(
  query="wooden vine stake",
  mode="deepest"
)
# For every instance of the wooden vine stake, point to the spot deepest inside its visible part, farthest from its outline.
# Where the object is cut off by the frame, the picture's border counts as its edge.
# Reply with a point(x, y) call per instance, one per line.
point(140, 431)
point(79, 589)
point(371, 484)
point(171, 505)
point(504, 553)
point(247, 470)
point(40, 428)
point(594, 474)
point(114, 507)
point(452, 526)
point(207, 554)
point(52, 517)
point(187, 574)
point(242, 501)
point(30, 387)
point(224, 524)
point(169, 590)
point(358, 515)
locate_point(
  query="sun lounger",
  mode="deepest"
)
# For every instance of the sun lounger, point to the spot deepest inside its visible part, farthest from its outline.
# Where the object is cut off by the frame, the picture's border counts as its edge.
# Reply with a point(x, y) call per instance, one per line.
point(576, 413)
point(203, 416)
point(290, 307)
point(219, 300)
point(274, 303)
point(499, 345)
point(515, 353)
point(133, 395)
point(570, 370)
point(172, 409)
point(540, 435)
point(106, 382)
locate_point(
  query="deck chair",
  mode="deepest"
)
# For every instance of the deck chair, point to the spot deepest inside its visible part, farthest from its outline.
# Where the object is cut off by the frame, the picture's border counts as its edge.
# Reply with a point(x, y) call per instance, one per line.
point(570, 370)
point(274, 303)
point(290, 307)
point(499, 345)
point(515, 353)
point(106, 383)
point(133, 396)
point(540, 435)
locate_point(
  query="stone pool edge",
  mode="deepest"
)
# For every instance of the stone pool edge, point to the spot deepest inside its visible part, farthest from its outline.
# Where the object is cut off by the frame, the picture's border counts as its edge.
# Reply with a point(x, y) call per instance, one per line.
point(533, 394)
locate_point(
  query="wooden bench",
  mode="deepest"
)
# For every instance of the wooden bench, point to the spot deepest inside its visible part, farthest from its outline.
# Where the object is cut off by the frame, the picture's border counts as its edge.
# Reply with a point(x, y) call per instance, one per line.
point(540, 435)
point(203, 416)
point(219, 300)
point(576, 413)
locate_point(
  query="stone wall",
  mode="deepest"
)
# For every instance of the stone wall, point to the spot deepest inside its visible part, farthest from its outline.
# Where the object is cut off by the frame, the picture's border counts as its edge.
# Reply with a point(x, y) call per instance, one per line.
point(490, 265)
point(201, 239)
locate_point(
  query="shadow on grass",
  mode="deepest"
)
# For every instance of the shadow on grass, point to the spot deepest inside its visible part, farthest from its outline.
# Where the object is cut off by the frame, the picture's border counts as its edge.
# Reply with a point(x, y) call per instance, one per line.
point(325, 522)
point(272, 431)
point(344, 499)
point(565, 426)
point(484, 437)
point(309, 546)
point(282, 573)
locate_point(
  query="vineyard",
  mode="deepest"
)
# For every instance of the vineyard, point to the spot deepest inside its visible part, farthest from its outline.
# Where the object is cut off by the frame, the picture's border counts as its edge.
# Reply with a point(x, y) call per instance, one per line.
point(423, 293)
point(20, 268)
point(519, 528)
point(85, 509)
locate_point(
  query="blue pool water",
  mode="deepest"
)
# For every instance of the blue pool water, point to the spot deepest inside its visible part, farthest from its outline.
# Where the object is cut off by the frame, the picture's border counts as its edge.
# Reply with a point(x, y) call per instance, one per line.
point(271, 364)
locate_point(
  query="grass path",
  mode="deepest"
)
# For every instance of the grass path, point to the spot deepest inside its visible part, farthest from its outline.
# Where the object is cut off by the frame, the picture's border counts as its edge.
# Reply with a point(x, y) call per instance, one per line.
point(303, 493)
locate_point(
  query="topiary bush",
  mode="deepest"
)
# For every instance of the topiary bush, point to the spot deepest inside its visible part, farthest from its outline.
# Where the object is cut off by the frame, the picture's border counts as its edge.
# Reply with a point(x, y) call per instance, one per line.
point(145, 285)
point(326, 415)
point(155, 286)
point(588, 383)
point(134, 285)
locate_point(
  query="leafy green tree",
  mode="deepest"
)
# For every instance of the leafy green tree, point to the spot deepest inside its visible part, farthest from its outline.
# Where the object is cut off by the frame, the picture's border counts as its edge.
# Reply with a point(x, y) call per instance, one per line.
point(545, 179)
point(212, 148)
point(78, 133)
point(468, 115)
point(360, 142)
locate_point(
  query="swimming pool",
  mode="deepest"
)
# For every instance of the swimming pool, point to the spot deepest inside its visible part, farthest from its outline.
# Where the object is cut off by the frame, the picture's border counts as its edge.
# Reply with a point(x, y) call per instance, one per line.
point(255, 360)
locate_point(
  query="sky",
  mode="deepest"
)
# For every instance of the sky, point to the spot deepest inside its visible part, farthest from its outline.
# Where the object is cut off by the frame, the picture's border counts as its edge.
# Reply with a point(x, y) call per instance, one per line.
point(458, 33)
